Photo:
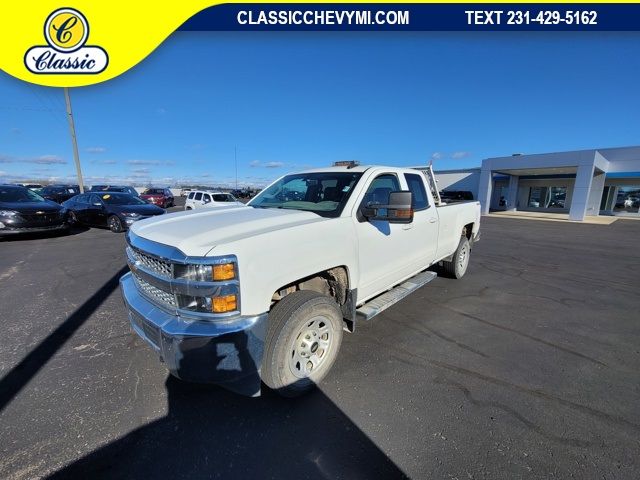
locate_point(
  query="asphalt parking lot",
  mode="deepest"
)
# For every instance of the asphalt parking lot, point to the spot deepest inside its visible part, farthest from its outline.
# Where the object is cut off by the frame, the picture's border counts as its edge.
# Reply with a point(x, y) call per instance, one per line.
point(529, 367)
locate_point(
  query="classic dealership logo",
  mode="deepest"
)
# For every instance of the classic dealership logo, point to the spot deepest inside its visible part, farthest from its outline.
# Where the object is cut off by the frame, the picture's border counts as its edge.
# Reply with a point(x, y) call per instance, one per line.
point(66, 31)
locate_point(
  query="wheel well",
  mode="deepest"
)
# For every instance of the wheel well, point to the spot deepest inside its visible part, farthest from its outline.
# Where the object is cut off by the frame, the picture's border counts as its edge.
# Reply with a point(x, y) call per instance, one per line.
point(467, 231)
point(333, 283)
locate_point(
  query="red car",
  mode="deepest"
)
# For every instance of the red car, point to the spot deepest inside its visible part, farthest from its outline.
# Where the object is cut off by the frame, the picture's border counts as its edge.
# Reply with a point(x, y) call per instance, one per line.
point(162, 197)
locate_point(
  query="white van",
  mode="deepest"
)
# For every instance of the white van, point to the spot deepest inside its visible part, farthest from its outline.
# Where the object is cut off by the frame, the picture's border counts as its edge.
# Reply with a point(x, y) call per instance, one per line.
point(205, 199)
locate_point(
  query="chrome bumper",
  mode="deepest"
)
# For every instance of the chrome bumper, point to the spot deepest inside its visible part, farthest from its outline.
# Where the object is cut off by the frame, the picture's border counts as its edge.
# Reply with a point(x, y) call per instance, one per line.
point(227, 353)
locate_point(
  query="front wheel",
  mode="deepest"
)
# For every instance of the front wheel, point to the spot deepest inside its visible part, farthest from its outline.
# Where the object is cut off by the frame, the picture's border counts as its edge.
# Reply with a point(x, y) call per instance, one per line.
point(457, 267)
point(115, 224)
point(303, 340)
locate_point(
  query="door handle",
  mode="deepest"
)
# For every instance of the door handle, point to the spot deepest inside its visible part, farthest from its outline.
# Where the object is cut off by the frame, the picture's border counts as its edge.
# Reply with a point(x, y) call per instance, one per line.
point(408, 226)
point(433, 220)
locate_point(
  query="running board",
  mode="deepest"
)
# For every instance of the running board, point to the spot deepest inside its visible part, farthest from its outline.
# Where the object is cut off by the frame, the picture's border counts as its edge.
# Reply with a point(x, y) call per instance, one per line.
point(380, 303)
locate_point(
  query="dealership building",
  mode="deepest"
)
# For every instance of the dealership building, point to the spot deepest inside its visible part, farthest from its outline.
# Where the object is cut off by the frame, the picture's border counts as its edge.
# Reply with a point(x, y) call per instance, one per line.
point(603, 181)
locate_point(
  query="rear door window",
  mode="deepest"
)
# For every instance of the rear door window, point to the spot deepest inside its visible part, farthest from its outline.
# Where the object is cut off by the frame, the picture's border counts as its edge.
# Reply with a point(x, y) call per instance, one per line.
point(198, 196)
point(417, 188)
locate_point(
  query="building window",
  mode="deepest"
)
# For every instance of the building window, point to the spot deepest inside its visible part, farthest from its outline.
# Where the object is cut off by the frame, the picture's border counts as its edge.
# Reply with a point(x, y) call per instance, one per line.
point(628, 199)
point(547, 197)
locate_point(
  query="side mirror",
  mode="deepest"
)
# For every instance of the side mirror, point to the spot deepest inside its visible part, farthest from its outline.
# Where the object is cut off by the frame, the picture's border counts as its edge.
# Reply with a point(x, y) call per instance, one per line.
point(398, 210)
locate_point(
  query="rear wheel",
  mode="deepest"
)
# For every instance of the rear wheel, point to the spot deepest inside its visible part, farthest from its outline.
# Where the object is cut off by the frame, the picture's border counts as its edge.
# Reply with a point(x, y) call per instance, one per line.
point(303, 340)
point(457, 267)
point(115, 224)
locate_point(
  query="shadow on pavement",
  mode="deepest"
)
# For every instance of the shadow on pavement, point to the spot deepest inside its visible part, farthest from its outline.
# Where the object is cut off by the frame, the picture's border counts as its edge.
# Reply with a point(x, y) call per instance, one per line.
point(211, 433)
point(14, 381)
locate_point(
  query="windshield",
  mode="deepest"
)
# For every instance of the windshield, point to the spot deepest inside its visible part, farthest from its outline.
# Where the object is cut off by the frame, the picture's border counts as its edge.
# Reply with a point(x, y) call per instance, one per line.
point(154, 191)
point(21, 195)
point(323, 193)
point(121, 199)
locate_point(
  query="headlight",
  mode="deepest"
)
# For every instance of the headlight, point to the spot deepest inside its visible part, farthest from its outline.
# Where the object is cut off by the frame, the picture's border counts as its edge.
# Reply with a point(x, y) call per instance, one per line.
point(8, 213)
point(130, 214)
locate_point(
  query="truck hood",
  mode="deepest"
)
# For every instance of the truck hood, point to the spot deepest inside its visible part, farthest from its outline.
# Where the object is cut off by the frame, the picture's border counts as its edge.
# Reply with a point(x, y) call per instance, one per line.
point(195, 233)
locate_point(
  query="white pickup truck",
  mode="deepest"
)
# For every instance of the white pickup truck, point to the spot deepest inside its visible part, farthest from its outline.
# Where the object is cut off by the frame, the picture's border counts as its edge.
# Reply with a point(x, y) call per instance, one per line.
point(262, 293)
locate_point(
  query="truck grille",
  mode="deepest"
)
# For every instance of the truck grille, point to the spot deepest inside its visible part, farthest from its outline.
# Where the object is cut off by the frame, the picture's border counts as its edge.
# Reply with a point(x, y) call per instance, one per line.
point(160, 267)
point(155, 294)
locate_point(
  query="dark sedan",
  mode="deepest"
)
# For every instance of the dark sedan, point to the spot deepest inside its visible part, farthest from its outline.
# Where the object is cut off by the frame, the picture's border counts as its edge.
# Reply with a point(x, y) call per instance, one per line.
point(60, 193)
point(24, 211)
point(115, 188)
point(109, 209)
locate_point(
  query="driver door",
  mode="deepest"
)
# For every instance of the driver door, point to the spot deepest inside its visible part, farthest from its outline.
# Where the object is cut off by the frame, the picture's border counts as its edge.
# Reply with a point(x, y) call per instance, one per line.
point(382, 254)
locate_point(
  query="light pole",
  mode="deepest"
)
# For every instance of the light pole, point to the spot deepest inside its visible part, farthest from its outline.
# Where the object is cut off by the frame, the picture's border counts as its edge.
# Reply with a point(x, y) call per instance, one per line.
point(74, 141)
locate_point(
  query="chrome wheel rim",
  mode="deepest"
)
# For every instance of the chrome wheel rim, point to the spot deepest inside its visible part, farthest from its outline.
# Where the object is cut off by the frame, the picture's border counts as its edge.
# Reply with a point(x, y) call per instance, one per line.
point(311, 347)
point(72, 217)
point(113, 224)
point(463, 258)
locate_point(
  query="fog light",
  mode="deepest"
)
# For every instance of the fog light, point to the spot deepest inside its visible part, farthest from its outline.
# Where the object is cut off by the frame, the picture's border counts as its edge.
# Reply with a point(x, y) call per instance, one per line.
point(224, 304)
point(226, 271)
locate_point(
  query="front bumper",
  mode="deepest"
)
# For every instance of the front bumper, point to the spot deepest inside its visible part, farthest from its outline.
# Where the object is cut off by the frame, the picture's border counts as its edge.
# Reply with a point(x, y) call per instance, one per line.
point(16, 230)
point(227, 353)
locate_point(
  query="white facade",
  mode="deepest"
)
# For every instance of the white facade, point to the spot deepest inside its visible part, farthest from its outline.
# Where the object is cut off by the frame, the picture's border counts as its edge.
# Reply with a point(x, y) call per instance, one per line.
point(580, 183)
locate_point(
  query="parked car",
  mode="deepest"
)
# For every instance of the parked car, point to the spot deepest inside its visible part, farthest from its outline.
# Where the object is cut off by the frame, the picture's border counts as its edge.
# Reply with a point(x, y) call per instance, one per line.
point(184, 192)
point(23, 211)
point(115, 210)
point(115, 188)
point(246, 193)
point(33, 186)
point(161, 197)
point(59, 193)
point(263, 292)
point(206, 199)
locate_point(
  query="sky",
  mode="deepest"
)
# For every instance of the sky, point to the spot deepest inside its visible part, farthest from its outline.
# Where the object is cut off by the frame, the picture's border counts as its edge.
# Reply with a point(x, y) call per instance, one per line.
point(206, 105)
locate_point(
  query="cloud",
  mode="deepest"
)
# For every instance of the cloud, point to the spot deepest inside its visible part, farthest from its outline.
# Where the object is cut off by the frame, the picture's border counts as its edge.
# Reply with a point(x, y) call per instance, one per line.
point(459, 155)
point(155, 163)
point(96, 149)
point(104, 162)
point(142, 170)
point(259, 164)
point(161, 110)
point(47, 160)
point(41, 160)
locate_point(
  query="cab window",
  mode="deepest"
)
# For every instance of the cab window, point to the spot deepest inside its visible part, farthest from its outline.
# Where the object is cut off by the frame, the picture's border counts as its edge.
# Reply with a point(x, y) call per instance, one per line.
point(380, 188)
point(419, 192)
point(207, 198)
point(191, 194)
point(198, 196)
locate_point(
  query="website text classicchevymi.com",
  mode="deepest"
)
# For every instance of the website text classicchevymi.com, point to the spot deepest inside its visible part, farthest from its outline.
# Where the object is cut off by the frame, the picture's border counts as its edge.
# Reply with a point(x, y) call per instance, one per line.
point(323, 17)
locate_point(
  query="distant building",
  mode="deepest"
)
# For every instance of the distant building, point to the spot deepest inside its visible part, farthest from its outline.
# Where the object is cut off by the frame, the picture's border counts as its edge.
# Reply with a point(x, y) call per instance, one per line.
point(604, 181)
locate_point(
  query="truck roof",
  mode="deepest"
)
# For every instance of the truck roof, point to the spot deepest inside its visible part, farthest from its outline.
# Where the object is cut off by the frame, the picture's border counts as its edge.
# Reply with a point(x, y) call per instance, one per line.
point(358, 169)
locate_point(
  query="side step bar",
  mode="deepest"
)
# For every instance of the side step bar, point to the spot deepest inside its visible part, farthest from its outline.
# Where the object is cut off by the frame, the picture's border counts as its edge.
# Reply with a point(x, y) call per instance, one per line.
point(380, 303)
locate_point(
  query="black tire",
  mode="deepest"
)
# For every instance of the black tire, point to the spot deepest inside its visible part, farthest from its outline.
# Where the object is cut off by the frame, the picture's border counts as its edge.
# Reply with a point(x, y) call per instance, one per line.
point(115, 224)
point(297, 327)
point(459, 263)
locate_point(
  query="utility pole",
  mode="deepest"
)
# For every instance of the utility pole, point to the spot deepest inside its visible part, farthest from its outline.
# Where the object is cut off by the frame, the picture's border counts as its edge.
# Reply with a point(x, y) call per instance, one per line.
point(74, 141)
point(235, 158)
